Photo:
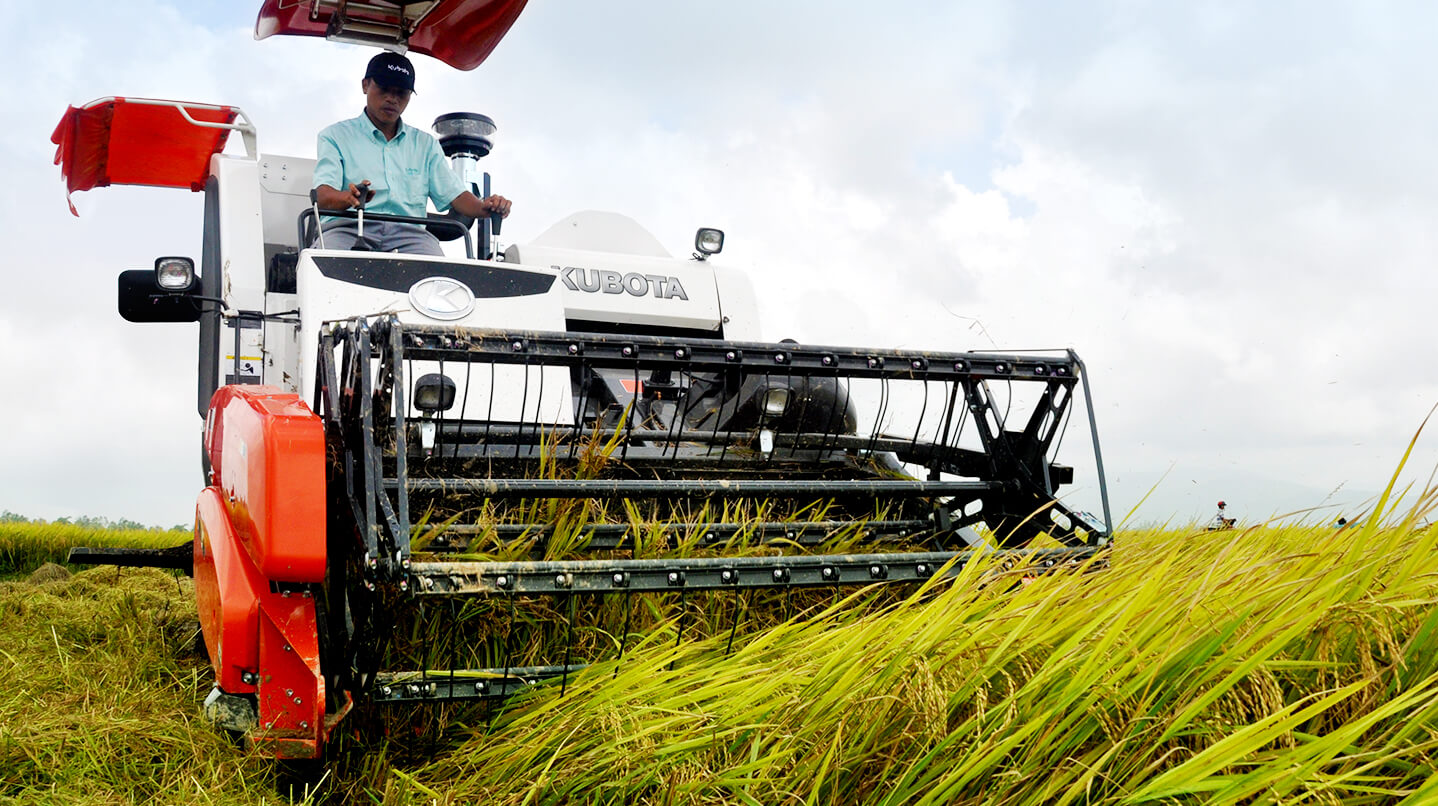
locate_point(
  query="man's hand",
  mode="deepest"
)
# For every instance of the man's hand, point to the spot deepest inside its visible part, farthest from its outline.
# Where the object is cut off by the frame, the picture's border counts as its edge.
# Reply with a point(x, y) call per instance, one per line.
point(356, 196)
point(496, 204)
point(475, 207)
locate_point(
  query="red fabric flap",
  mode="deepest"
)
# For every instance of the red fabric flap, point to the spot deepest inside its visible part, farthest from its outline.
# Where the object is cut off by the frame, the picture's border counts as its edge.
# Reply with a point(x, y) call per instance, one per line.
point(115, 141)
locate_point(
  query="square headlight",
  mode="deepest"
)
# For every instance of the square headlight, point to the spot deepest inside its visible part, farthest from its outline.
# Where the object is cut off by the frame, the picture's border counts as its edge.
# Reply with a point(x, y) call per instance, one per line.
point(709, 241)
point(434, 392)
point(776, 400)
point(175, 273)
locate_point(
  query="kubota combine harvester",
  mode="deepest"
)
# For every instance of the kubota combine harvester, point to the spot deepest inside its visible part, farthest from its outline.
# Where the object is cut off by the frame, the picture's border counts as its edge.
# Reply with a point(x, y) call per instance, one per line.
point(578, 419)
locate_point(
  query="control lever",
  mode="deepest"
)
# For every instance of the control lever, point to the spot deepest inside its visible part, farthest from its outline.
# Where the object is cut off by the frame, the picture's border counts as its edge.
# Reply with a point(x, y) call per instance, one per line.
point(365, 195)
point(319, 231)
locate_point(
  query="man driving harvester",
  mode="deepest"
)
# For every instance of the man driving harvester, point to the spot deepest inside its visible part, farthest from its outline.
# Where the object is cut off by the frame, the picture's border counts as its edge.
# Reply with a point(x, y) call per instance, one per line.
point(379, 164)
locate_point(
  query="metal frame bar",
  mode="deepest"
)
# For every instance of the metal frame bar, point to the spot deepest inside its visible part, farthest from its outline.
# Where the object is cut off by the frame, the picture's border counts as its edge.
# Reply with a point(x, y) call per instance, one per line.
point(702, 573)
point(249, 135)
point(626, 352)
point(500, 489)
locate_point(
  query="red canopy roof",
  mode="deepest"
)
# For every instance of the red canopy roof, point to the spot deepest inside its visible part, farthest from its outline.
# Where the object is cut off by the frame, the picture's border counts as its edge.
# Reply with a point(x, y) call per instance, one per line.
point(460, 33)
point(138, 141)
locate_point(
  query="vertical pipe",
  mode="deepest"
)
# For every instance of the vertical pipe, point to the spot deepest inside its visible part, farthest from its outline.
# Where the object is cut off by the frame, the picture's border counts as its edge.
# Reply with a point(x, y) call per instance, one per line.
point(1093, 434)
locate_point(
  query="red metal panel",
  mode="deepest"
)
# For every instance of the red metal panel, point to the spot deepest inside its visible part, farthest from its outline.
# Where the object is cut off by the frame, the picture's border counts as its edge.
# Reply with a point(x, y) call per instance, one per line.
point(291, 688)
point(115, 141)
point(273, 636)
point(268, 452)
point(227, 594)
point(460, 33)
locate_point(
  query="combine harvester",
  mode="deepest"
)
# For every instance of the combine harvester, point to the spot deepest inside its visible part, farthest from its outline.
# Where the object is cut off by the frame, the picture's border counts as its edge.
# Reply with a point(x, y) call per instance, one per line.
point(570, 420)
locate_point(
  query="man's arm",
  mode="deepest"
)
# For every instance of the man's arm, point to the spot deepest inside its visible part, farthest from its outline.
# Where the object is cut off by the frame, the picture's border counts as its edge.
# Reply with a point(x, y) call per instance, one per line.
point(445, 184)
point(475, 207)
point(329, 198)
point(329, 175)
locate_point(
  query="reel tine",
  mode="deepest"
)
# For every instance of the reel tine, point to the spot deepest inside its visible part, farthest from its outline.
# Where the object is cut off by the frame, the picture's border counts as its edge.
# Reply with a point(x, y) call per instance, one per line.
point(523, 404)
point(837, 425)
point(509, 637)
point(538, 404)
point(454, 613)
point(919, 421)
point(679, 627)
point(676, 423)
point(464, 403)
point(879, 416)
point(568, 641)
point(740, 600)
point(489, 413)
point(624, 633)
point(951, 391)
point(581, 408)
point(804, 409)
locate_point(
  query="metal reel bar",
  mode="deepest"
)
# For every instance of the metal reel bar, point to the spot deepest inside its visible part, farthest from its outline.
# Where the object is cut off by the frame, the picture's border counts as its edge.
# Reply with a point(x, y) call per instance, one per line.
point(467, 684)
point(694, 488)
point(700, 573)
point(623, 352)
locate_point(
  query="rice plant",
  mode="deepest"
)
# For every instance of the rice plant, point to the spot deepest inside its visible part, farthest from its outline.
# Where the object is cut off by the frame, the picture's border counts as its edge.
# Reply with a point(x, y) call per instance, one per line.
point(1282, 663)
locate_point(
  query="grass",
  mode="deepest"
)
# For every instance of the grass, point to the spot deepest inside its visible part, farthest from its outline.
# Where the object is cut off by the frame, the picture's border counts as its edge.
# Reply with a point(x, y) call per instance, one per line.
point(101, 699)
point(1290, 664)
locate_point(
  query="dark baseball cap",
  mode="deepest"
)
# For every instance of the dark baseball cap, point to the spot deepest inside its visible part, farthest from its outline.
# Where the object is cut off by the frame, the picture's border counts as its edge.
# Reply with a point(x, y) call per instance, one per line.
point(391, 70)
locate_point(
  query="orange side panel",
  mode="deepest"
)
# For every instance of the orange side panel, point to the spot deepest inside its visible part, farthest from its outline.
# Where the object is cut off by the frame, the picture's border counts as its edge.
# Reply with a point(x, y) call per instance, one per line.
point(252, 632)
point(291, 688)
point(227, 594)
point(267, 450)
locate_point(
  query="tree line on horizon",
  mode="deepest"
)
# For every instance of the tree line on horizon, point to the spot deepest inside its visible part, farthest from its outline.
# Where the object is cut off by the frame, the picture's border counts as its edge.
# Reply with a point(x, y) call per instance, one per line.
point(95, 522)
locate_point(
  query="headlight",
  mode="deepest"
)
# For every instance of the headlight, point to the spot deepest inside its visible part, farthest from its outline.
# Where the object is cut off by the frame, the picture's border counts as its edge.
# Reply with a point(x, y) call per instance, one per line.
point(433, 392)
point(709, 241)
point(775, 401)
point(174, 273)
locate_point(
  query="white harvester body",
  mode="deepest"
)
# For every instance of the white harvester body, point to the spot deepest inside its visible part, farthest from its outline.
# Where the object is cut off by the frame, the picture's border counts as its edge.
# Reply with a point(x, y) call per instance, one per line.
point(591, 271)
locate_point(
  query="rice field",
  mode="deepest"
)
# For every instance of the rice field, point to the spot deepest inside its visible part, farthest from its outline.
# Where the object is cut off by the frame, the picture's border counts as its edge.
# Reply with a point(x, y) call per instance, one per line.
point(25, 545)
point(1292, 664)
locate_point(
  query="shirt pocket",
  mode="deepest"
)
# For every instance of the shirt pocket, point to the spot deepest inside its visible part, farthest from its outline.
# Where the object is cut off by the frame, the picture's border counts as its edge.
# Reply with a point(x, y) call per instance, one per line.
point(416, 187)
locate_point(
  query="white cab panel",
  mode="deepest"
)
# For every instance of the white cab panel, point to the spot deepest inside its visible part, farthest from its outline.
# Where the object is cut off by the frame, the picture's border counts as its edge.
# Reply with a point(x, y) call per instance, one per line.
point(335, 284)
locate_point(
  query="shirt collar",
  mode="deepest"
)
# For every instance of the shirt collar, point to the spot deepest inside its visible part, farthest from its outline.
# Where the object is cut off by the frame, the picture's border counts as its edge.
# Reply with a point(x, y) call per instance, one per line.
point(374, 130)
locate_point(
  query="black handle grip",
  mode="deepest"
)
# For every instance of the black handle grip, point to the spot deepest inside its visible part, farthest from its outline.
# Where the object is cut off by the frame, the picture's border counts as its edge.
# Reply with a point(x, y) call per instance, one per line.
point(494, 221)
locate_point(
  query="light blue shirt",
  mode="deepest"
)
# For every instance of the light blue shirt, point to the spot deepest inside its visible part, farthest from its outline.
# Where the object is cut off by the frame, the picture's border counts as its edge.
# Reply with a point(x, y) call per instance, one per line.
point(402, 172)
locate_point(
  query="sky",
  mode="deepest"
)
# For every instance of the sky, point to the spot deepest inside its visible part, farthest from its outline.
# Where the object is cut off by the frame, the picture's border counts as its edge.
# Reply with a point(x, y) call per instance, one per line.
point(1225, 209)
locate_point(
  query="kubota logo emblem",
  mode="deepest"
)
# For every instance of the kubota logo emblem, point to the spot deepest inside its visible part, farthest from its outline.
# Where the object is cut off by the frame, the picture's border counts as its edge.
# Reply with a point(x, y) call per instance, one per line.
point(441, 298)
point(597, 281)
